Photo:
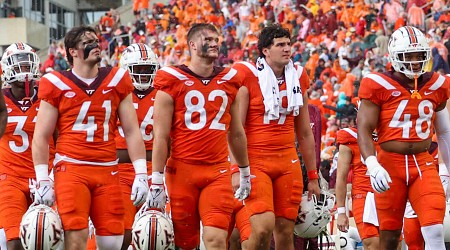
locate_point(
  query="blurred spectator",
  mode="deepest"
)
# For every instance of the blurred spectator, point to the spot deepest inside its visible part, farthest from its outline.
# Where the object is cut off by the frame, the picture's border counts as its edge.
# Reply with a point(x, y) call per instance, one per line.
point(381, 43)
point(439, 62)
point(416, 17)
point(52, 48)
point(60, 63)
point(48, 64)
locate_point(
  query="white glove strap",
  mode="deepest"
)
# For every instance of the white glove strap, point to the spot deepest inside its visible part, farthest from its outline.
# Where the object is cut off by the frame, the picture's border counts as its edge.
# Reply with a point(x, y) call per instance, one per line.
point(245, 172)
point(140, 166)
point(157, 178)
point(41, 172)
point(371, 162)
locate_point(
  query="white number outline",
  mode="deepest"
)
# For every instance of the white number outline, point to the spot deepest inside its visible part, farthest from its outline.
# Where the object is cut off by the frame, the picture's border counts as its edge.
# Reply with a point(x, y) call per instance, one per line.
point(406, 124)
point(200, 108)
point(90, 126)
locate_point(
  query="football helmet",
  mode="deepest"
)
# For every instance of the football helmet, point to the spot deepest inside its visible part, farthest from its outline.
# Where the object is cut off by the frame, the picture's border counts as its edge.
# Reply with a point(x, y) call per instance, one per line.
point(141, 63)
point(152, 230)
point(314, 215)
point(41, 228)
point(404, 40)
point(350, 240)
point(19, 62)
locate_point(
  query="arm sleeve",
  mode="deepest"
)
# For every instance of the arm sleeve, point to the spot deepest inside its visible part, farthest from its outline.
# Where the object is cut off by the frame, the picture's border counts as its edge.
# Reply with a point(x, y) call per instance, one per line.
point(442, 126)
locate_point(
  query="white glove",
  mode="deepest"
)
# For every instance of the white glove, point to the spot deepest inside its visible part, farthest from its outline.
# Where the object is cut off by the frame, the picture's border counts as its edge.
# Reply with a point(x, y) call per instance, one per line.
point(139, 190)
point(245, 185)
point(157, 195)
point(45, 194)
point(379, 177)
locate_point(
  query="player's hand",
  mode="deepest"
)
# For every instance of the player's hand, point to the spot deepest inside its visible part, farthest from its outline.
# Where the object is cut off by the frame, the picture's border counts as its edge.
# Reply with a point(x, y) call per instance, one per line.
point(156, 196)
point(245, 185)
point(342, 222)
point(379, 177)
point(313, 188)
point(45, 194)
point(139, 190)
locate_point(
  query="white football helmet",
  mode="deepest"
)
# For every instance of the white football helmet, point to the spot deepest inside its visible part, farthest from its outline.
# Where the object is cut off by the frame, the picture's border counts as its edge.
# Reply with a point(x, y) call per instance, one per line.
point(404, 40)
point(139, 54)
point(41, 228)
point(152, 230)
point(314, 215)
point(19, 61)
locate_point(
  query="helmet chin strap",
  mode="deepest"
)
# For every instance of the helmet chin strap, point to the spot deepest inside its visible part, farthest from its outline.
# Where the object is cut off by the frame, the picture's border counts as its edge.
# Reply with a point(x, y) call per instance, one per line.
point(415, 94)
point(27, 89)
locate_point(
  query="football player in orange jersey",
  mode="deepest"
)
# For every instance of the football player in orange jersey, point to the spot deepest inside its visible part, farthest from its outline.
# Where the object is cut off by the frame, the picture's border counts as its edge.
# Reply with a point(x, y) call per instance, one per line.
point(405, 106)
point(274, 110)
point(195, 107)
point(350, 160)
point(20, 65)
point(142, 64)
point(84, 104)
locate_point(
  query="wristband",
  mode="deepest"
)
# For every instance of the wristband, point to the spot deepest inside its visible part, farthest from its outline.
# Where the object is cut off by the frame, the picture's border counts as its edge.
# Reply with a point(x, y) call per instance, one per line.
point(140, 166)
point(371, 162)
point(313, 175)
point(157, 178)
point(41, 172)
point(245, 171)
point(341, 210)
point(234, 168)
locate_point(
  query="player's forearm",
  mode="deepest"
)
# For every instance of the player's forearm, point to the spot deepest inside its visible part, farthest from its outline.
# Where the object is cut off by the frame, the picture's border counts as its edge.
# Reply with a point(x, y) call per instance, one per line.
point(365, 144)
point(308, 152)
point(160, 153)
point(238, 147)
point(135, 145)
point(341, 188)
point(40, 150)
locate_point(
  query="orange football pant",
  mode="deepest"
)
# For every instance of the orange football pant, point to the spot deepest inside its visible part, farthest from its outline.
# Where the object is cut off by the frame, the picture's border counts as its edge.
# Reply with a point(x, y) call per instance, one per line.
point(85, 190)
point(198, 192)
point(423, 188)
point(15, 199)
point(365, 230)
point(278, 185)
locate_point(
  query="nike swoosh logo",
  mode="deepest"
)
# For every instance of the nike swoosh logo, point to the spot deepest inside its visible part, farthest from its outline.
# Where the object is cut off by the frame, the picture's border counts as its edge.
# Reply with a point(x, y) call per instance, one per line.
point(114, 172)
point(223, 171)
point(429, 163)
point(106, 91)
point(427, 93)
point(294, 161)
point(220, 82)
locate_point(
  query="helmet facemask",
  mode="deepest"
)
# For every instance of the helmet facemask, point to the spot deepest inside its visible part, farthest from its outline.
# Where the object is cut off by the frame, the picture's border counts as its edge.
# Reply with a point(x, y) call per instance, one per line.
point(405, 66)
point(142, 75)
point(20, 67)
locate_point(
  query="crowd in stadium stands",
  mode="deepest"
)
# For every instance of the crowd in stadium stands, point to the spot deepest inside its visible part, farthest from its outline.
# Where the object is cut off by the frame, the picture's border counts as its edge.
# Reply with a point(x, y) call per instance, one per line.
point(337, 42)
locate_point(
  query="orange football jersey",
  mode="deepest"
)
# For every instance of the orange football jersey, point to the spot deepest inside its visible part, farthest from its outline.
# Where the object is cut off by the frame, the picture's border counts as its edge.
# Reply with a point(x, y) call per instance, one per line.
point(143, 103)
point(88, 115)
point(201, 116)
point(15, 145)
point(403, 118)
point(263, 134)
point(361, 181)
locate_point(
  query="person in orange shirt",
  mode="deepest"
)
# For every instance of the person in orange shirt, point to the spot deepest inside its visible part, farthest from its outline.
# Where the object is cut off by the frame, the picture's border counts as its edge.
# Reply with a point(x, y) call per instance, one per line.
point(3, 113)
point(20, 66)
point(349, 160)
point(84, 104)
point(199, 115)
point(142, 65)
point(271, 130)
point(405, 117)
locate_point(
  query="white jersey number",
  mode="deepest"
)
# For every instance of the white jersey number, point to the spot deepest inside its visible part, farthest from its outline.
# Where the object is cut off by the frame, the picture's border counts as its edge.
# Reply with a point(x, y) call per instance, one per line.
point(18, 130)
point(148, 120)
point(199, 108)
point(425, 109)
point(90, 126)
